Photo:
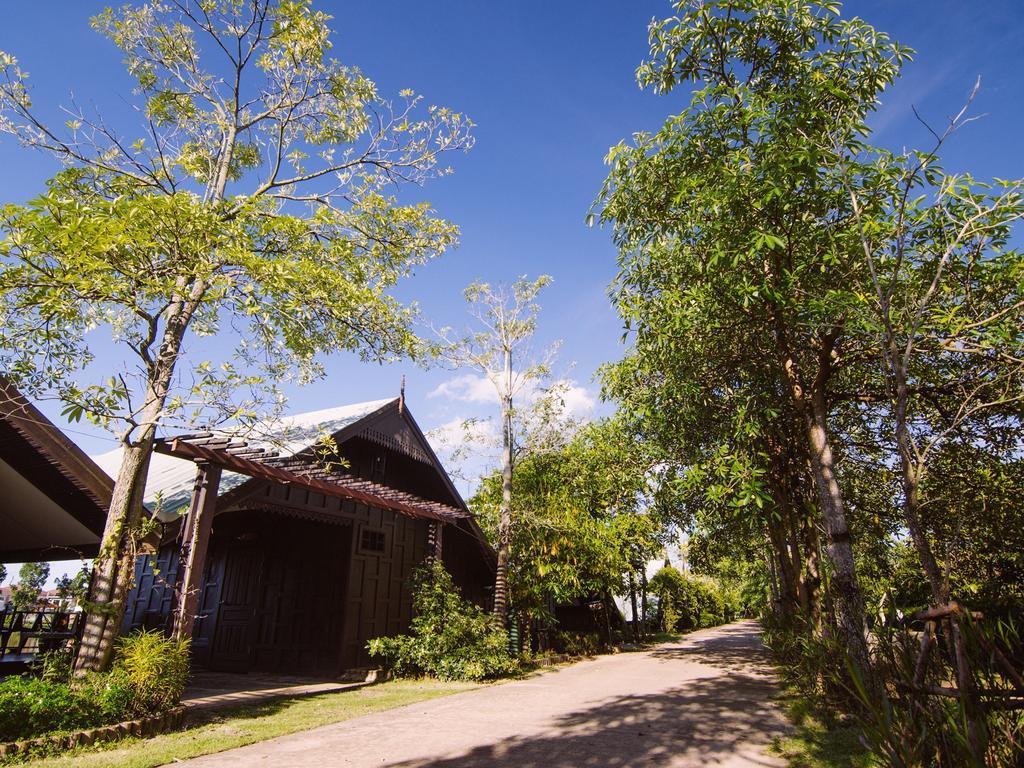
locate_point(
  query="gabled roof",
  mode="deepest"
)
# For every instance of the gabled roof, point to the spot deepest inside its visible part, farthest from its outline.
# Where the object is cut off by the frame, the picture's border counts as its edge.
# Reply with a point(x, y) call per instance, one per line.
point(55, 498)
point(171, 479)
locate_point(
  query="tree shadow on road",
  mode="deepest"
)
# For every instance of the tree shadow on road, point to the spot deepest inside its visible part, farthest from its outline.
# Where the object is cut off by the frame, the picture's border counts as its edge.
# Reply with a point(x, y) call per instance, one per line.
point(733, 647)
point(708, 721)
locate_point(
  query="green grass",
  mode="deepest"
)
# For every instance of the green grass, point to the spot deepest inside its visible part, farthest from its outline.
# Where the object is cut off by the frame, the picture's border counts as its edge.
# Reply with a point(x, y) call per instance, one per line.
point(815, 743)
point(228, 729)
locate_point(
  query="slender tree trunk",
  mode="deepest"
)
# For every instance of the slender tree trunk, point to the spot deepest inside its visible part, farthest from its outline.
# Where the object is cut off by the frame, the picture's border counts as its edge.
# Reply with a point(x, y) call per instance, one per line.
point(113, 568)
point(505, 521)
point(632, 603)
point(112, 571)
point(787, 572)
point(606, 609)
point(810, 584)
point(115, 563)
point(911, 472)
point(643, 602)
point(773, 581)
point(846, 596)
point(812, 406)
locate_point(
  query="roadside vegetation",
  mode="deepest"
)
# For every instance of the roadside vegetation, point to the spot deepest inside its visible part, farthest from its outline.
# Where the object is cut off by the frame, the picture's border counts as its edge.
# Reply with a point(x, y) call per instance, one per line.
point(825, 341)
point(147, 677)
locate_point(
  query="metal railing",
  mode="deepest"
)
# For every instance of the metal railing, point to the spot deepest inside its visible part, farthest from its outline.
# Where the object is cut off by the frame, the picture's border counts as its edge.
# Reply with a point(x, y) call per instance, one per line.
point(26, 634)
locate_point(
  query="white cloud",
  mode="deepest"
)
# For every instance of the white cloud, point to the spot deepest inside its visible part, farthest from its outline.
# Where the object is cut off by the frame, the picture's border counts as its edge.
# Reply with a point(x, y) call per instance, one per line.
point(454, 433)
point(477, 388)
point(467, 388)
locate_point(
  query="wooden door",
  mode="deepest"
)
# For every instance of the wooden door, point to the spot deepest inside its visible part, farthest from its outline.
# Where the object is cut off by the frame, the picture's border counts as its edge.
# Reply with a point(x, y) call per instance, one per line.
point(232, 647)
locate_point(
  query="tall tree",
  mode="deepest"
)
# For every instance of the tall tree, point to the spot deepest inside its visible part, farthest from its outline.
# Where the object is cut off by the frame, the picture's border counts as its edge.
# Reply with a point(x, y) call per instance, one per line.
point(589, 513)
point(499, 348)
point(75, 588)
point(727, 214)
point(252, 203)
point(947, 308)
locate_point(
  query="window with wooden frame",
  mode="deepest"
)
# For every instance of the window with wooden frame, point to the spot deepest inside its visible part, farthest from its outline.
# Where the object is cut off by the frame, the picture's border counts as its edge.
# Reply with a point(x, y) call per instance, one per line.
point(372, 542)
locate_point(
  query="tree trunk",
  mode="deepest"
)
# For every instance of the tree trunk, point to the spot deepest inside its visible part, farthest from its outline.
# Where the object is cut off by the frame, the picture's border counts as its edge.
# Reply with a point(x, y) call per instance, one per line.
point(849, 605)
point(812, 406)
point(810, 584)
point(643, 602)
point(606, 609)
point(112, 571)
point(787, 573)
point(505, 521)
point(773, 581)
point(911, 471)
point(632, 603)
point(115, 563)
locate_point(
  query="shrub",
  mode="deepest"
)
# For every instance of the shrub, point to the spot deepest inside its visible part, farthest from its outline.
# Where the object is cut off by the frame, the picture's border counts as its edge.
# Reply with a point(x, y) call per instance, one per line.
point(147, 677)
point(54, 666)
point(30, 706)
point(450, 638)
point(578, 643)
point(151, 669)
point(911, 726)
point(686, 602)
point(814, 665)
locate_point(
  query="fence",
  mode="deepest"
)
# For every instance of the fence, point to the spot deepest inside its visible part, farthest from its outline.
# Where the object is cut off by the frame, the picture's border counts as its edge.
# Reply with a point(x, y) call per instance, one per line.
point(26, 634)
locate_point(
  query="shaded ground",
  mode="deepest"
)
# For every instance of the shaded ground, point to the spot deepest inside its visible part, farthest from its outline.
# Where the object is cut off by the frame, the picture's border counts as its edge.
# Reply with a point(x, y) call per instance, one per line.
point(704, 701)
point(208, 691)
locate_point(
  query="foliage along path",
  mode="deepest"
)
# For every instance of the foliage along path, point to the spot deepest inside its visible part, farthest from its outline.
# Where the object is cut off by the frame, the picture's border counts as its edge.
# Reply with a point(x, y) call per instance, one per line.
point(706, 700)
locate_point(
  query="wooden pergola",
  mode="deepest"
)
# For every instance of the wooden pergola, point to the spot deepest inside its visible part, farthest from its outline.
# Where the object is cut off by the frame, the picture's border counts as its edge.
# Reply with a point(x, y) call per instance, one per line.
point(214, 453)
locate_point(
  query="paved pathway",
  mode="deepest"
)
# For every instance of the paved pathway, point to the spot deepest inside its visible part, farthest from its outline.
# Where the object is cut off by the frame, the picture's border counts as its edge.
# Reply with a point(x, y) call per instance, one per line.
point(705, 701)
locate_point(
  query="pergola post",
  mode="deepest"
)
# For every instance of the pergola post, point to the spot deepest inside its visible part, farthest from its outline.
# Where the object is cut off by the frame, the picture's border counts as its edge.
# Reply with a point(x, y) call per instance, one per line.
point(195, 542)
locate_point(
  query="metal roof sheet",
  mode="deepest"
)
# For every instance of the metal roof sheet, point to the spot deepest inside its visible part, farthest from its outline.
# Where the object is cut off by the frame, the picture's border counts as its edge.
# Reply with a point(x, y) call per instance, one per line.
point(171, 479)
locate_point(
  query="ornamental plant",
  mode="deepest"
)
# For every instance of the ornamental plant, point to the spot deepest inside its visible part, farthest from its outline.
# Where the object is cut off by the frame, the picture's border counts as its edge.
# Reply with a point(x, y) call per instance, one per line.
point(450, 638)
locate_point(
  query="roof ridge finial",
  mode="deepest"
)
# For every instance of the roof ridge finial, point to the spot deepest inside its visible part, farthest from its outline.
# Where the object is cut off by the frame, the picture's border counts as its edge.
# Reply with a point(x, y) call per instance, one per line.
point(401, 396)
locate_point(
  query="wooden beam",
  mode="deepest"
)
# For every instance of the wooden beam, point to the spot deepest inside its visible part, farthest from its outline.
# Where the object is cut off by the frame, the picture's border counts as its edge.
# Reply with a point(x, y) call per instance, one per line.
point(195, 543)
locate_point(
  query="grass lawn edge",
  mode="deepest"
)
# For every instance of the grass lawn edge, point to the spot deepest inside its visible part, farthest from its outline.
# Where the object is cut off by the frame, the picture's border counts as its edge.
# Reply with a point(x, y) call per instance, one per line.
point(229, 728)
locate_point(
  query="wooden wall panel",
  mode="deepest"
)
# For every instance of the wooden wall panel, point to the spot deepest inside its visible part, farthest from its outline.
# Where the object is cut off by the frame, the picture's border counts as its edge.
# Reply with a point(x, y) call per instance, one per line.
point(379, 594)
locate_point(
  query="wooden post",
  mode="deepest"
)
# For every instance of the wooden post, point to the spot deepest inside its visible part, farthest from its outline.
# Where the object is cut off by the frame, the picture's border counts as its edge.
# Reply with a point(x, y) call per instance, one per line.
point(195, 542)
point(435, 541)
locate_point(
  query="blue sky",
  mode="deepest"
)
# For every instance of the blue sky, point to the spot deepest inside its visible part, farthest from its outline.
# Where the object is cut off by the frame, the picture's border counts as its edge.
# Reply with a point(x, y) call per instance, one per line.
point(550, 86)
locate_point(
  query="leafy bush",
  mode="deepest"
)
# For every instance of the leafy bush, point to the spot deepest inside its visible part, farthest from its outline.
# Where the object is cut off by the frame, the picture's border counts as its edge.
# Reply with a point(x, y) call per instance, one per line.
point(913, 727)
point(686, 602)
point(814, 665)
point(54, 666)
point(451, 639)
point(578, 643)
point(151, 670)
point(31, 706)
point(148, 676)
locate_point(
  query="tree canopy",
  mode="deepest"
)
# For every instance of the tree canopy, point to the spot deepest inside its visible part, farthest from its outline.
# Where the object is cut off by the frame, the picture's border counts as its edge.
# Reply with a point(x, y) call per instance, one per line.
point(252, 209)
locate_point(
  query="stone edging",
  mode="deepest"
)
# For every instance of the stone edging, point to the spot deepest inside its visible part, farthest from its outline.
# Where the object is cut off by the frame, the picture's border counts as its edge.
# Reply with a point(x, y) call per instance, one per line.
point(144, 726)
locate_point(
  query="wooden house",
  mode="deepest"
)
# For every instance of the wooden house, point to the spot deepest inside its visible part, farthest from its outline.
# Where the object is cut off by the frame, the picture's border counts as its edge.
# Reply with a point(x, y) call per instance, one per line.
point(291, 553)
